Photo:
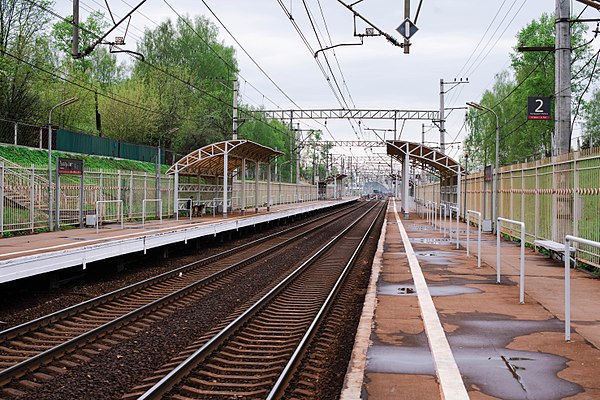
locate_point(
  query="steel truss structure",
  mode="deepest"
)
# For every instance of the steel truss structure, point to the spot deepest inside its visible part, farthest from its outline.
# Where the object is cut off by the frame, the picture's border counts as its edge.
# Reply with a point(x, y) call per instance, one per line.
point(349, 113)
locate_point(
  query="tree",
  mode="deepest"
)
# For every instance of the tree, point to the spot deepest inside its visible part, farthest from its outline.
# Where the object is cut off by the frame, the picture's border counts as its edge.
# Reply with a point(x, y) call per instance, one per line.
point(22, 47)
point(591, 130)
point(531, 74)
point(192, 72)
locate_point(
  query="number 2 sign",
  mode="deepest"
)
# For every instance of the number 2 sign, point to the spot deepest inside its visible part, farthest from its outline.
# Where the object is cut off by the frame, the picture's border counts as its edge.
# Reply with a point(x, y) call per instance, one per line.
point(538, 107)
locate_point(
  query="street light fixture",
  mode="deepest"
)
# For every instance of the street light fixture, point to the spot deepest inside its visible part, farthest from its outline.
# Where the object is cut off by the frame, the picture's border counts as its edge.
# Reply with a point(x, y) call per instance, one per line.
point(50, 199)
point(495, 183)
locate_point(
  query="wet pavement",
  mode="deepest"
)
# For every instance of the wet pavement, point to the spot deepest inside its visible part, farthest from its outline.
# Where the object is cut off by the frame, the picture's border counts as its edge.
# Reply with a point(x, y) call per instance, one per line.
point(503, 349)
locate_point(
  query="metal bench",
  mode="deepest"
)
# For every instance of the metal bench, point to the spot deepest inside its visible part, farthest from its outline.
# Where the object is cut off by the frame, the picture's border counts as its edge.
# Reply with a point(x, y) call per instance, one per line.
point(554, 247)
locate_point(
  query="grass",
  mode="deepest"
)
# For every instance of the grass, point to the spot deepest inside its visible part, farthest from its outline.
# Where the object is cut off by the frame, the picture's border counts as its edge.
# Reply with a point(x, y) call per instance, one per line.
point(26, 156)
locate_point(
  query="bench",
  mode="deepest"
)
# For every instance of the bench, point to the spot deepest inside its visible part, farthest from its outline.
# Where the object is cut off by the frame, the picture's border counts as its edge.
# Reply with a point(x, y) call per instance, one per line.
point(554, 247)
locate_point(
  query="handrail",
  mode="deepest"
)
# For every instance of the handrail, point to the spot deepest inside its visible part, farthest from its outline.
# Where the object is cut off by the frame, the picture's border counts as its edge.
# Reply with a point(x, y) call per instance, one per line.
point(567, 256)
point(185, 200)
point(445, 219)
point(98, 214)
point(469, 212)
point(522, 263)
point(159, 201)
point(455, 208)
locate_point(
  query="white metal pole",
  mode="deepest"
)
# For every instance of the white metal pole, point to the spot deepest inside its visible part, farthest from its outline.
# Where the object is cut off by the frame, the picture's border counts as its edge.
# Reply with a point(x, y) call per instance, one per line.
point(567, 257)
point(225, 183)
point(497, 253)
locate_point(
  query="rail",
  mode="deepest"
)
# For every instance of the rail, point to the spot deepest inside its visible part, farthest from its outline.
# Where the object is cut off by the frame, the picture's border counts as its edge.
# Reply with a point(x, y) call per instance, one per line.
point(469, 212)
point(182, 202)
point(457, 215)
point(159, 211)
point(445, 218)
point(99, 211)
point(167, 382)
point(119, 296)
point(567, 257)
point(522, 263)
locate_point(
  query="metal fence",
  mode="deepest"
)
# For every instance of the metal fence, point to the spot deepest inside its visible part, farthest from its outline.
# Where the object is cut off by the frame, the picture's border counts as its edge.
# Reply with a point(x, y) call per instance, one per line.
point(555, 197)
point(24, 194)
point(24, 134)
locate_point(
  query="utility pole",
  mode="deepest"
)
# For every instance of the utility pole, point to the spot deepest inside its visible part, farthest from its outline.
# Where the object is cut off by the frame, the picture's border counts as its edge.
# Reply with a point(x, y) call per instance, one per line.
point(442, 119)
point(75, 48)
point(562, 136)
point(442, 122)
point(235, 109)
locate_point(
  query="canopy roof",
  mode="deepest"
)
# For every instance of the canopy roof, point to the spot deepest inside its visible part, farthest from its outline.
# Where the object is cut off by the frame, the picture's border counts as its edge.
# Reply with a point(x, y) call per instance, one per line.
point(425, 157)
point(208, 160)
point(333, 178)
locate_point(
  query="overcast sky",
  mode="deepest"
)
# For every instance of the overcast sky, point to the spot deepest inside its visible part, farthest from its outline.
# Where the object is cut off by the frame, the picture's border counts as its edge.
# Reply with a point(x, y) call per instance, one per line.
point(456, 39)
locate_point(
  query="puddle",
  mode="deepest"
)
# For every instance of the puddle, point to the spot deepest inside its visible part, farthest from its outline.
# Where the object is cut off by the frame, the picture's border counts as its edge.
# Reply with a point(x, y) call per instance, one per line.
point(419, 228)
point(399, 360)
point(479, 347)
point(451, 290)
point(396, 289)
point(436, 241)
point(445, 254)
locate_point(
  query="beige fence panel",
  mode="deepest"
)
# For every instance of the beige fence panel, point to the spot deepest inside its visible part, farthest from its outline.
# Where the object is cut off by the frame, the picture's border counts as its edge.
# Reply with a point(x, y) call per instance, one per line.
point(554, 197)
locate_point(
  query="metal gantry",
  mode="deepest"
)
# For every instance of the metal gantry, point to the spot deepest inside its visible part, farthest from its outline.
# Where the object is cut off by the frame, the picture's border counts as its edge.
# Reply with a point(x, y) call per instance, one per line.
point(349, 113)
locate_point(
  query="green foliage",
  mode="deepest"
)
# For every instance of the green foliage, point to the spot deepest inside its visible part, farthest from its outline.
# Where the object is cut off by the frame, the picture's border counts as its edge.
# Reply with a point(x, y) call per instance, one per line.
point(22, 43)
point(180, 97)
point(191, 72)
point(591, 130)
point(39, 159)
point(531, 74)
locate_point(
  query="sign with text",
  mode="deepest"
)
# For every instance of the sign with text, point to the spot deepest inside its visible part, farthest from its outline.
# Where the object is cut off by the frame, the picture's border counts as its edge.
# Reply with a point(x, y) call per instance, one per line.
point(538, 107)
point(487, 173)
point(71, 166)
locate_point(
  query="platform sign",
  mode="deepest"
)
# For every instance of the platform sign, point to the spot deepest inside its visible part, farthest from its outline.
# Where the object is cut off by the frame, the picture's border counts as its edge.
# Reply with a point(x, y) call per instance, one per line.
point(407, 29)
point(487, 173)
point(72, 166)
point(538, 107)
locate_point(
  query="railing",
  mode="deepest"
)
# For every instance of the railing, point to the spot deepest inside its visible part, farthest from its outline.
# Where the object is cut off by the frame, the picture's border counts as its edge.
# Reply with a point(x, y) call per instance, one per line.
point(24, 194)
point(469, 212)
point(567, 256)
point(184, 204)
point(158, 210)
point(522, 256)
point(457, 210)
point(553, 197)
point(118, 214)
point(445, 219)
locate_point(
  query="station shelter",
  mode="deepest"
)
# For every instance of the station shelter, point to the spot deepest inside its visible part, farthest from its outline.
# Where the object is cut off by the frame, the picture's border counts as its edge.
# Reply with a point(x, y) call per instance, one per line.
point(217, 164)
point(430, 161)
point(338, 186)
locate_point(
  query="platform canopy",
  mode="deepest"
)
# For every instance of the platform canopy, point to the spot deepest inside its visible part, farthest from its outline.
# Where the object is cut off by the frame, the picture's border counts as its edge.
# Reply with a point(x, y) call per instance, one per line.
point(209, 160)
point(332, 178)
point(425, 157)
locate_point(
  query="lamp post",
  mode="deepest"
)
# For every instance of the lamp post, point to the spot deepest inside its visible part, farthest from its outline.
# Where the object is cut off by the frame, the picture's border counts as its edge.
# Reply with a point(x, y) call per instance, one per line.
point(495, 183)
point(50, 197)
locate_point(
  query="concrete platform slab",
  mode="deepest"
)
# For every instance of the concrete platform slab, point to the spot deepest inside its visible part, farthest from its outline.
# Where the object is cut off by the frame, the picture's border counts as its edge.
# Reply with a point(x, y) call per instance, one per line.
point(503, 349)
point(26, 256)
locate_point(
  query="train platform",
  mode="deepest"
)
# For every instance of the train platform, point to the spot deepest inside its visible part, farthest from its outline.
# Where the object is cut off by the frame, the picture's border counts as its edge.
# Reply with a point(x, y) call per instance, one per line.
point(30, 255)
point(435, 326)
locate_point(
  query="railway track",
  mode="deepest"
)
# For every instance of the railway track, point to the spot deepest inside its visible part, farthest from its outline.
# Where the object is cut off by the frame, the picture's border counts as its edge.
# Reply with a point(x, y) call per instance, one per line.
point(33, 352)
point(256, 355)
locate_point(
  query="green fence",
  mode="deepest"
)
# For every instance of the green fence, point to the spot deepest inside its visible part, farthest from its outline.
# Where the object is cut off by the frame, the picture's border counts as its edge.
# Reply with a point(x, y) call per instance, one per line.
point(75, 142)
